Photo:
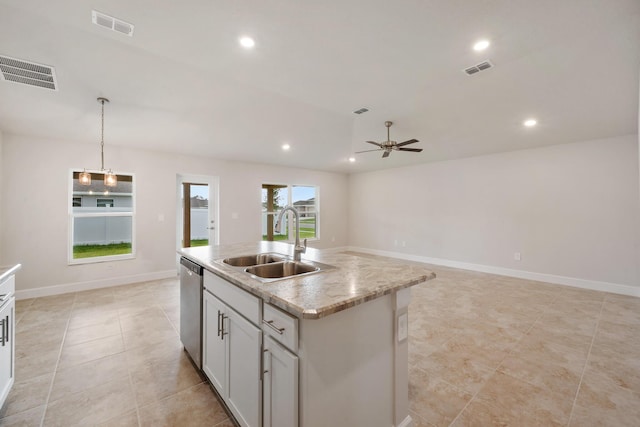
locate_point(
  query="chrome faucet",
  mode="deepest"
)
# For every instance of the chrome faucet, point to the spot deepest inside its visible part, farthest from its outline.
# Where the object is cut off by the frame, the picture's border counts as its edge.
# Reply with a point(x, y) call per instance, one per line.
point(298, 249)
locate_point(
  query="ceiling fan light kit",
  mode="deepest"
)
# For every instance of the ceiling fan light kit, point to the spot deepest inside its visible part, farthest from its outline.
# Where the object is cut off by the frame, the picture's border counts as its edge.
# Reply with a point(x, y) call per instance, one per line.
point(388, 146)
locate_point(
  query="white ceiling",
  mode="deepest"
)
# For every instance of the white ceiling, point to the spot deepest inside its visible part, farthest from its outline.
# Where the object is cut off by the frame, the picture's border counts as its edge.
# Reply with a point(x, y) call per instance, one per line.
point(183, 84)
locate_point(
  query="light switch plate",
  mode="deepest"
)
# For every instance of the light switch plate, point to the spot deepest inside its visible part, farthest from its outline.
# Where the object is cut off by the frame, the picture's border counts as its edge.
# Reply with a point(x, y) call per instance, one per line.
point(403, 327)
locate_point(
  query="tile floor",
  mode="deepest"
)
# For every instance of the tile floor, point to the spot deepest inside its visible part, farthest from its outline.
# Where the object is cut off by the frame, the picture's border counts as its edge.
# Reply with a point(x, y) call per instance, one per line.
point(485, 350)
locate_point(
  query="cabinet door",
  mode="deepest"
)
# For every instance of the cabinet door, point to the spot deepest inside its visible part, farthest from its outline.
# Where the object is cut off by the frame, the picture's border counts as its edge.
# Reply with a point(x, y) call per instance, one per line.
point(6, 350)
point(244, 396)
point(214, 354)
point(280, 386)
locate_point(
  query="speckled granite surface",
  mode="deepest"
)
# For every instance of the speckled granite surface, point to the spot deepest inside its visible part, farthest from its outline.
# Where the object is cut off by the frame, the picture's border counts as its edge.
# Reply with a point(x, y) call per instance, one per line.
point(354, 279)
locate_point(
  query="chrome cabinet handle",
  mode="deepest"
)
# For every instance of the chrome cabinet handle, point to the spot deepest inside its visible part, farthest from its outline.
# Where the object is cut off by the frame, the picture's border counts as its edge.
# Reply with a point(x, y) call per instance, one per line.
point(269, 323)
point(2, 337)
point(222, 332)
point(218, 322)
point(6, 322)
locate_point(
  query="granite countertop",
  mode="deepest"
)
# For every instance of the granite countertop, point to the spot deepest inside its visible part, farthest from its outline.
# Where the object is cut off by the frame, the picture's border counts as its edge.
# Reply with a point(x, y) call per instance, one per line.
point(8, 270)
point(354, 279)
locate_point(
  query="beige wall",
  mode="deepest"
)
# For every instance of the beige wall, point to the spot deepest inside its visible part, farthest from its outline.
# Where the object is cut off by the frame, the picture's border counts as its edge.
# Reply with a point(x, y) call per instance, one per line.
point(1, 204)
point(571, 210)
point(34, 206)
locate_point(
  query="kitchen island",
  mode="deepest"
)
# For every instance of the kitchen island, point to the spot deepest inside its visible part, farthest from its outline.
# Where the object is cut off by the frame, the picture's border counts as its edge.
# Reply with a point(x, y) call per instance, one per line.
point(329, 348)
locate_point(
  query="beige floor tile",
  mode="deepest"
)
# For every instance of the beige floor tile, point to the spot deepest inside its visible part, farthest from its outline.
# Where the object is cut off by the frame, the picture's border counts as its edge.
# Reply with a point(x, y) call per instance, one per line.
point(88, 375)
point(91, 333)
point(92, 350)
point(602, 402)
point(130, 419)
point(56, 302)
point(434, 400)
point(455, 369)
point(514, 397)
point(46, 336)
point(35, 362)
point(477, 349)
point(622, 368)
point(29, 418)
point(156, 381)
point(83, 317)
point(154, 354)
point(146, 336)
point(194, 407)
point(418, 421)
point(91, 406)
point(27, 394)
point(35, 318)
point(557, 378)
point(477, 414)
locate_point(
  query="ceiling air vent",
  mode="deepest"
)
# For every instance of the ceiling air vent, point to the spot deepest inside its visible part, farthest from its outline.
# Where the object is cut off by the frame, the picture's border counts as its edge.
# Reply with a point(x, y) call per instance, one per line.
point(28, 73)
point(361, 110)
point(112, 23)
point(485, 65)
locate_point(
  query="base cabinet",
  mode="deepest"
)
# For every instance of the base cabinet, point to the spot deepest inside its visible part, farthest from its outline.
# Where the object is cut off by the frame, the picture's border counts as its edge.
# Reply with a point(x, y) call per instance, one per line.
point(232, 359)
point(280, 386)
point(7, 361)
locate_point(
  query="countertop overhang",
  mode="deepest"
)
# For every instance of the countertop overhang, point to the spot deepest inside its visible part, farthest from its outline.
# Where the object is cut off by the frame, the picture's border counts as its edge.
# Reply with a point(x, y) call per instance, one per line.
point(6, 271)
point(353, 281)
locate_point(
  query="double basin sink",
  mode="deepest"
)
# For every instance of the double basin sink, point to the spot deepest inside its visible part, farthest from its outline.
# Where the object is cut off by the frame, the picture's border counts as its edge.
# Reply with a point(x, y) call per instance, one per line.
point(269, 267)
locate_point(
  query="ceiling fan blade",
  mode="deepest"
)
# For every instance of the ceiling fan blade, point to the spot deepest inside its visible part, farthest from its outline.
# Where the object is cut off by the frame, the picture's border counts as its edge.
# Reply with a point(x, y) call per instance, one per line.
point(374, 143)
point(411, 141)
point(366, 151)
point(415, 150)
point(386, 154)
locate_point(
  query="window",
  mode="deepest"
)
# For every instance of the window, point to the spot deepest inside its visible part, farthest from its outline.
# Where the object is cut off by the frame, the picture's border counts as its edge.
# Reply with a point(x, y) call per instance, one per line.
point(105, 203)
point(101, 219)
point(303, 198)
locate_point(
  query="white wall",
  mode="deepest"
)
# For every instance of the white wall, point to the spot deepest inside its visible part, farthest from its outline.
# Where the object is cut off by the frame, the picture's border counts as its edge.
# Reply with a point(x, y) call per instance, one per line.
point(35, 220)
point(571, 210)
point(1, 197)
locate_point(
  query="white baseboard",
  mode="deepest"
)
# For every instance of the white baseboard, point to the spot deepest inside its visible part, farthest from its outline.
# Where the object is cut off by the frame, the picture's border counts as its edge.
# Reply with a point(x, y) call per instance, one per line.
point(593, 285)
point(93, 284)
point(407, 422)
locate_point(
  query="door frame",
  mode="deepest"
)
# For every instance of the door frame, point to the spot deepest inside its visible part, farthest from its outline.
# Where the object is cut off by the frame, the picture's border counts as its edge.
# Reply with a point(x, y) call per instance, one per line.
point(213, 182)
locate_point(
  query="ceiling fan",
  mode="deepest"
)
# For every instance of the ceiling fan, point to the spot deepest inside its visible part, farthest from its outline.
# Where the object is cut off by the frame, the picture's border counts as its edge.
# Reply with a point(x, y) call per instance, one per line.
point(388, 146)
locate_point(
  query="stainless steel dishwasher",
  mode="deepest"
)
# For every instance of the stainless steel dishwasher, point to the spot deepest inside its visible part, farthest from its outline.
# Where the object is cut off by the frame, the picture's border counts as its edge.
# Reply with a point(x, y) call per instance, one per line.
point(191, 309)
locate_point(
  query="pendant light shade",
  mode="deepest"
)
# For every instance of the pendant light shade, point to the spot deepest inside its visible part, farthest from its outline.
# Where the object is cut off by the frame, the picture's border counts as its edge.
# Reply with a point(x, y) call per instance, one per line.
point(84, 178)
point(110, 178)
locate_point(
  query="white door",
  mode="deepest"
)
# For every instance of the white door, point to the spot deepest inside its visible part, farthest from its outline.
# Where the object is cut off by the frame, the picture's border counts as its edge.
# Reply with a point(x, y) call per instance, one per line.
point(280, 386)
point(197, 210)
point(214, 357)
point(244, 395)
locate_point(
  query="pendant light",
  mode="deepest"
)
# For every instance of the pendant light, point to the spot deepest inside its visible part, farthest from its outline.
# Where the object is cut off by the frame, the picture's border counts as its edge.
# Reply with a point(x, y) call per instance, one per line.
point(110, 178)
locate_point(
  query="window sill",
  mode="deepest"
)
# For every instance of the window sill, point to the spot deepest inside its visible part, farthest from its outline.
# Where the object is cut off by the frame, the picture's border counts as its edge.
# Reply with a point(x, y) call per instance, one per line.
point(95, 260)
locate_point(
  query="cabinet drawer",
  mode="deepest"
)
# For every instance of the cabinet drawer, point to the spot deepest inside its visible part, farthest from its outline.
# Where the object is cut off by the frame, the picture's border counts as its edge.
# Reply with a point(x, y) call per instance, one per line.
point(8, 286)
point(242, 301)
point(281, 326)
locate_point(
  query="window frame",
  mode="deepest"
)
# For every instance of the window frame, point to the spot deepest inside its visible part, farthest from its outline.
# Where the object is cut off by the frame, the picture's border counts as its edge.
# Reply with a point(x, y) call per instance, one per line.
point(73, 215)
point(290, 219)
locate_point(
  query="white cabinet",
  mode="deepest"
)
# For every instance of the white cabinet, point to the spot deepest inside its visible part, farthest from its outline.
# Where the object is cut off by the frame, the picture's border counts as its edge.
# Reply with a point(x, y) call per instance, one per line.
point(214, 351)
point(7, 361)
point(280, 386)
point(232, 346)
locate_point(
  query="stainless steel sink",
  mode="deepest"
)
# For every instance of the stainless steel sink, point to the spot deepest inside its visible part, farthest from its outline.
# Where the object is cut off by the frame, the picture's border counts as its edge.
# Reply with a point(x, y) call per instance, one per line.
point(280, 270)
point(250, 260)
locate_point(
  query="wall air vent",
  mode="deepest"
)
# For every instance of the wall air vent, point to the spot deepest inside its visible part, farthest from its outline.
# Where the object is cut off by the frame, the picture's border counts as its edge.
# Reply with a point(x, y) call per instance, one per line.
point(28, 73)
point(485, 65)
point(361, 110)
point(111, 23)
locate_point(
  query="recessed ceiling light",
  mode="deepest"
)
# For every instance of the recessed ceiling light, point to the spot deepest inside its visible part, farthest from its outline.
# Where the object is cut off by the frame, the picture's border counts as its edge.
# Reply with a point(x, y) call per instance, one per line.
point(352, 159)
point(286, 147)
point(481, 45)
point(530, 122)
point(247, 42)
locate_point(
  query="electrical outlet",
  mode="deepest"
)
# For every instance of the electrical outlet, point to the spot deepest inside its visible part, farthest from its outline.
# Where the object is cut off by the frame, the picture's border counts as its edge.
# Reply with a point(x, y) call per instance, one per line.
point(516, 256)
point(403, 327)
